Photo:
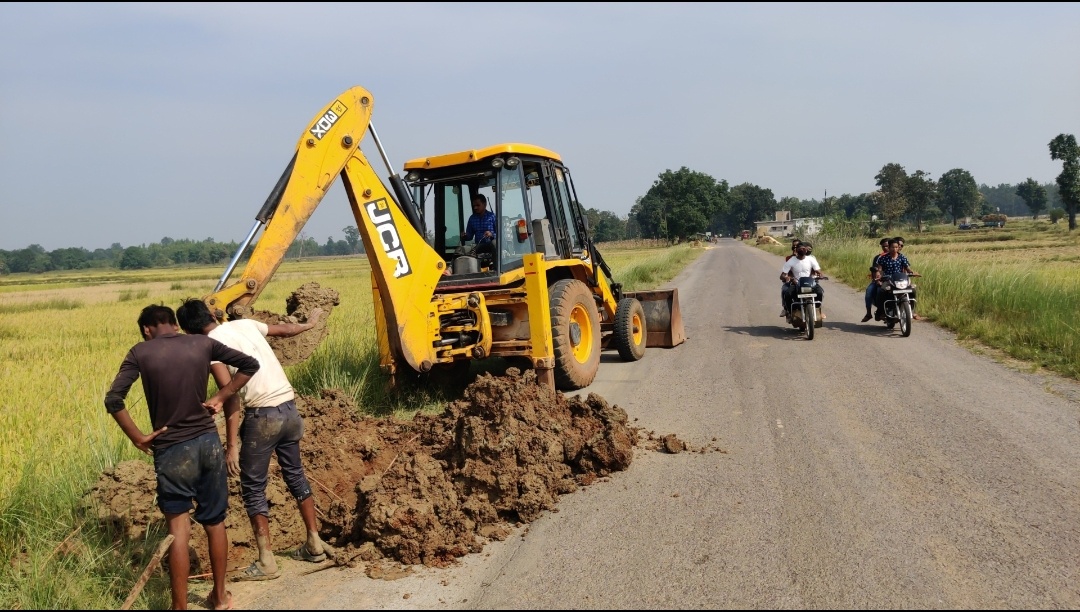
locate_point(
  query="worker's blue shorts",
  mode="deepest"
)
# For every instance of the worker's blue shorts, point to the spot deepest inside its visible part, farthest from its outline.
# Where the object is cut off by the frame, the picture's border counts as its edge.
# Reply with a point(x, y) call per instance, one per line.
point(193, 470)
point(265, 432)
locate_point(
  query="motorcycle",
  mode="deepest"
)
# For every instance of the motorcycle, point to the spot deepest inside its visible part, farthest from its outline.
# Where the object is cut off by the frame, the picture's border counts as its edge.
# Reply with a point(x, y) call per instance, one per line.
point(804, 312)
point(898, 305)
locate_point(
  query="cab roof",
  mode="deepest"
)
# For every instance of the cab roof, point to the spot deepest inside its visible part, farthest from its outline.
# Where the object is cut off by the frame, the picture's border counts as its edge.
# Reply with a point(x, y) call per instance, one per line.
point(471, 155)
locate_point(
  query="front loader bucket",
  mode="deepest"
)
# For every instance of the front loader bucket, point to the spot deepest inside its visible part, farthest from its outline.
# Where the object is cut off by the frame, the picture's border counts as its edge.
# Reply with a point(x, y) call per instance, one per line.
point(663, 319)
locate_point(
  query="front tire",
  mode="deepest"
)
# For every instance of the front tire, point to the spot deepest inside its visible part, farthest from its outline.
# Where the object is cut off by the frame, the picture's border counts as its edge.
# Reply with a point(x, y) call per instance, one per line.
point(810, 318)
point(905, 319)
point(630, 331)
point(575, 334)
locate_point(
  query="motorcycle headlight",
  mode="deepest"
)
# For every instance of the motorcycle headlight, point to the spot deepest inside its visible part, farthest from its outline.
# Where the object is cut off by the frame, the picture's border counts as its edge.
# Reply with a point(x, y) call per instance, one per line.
point(806, 289)
point(901, 284)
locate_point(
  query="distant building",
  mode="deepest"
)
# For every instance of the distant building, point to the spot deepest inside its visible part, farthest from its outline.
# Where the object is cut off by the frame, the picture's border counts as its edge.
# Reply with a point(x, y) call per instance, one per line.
point(783, 226)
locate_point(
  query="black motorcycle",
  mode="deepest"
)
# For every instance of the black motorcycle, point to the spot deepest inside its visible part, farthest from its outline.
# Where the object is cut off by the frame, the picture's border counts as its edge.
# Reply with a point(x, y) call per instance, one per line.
point(898, 304)
point(804, 312)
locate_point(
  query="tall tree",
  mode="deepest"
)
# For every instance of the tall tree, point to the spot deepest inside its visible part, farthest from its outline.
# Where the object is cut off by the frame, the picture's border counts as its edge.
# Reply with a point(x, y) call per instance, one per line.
point(748, 204)
point(794, 205)
point(679, 204)
point(1034, 195)
point(1063, 147)
point(921, 194)
point(605, 226)
point(892, 179)
point(352, 237)
point(959, 194)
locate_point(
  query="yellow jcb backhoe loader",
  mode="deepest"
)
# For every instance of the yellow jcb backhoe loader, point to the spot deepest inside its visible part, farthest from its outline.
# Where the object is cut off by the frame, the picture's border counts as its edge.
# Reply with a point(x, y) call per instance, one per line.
point(540, 292)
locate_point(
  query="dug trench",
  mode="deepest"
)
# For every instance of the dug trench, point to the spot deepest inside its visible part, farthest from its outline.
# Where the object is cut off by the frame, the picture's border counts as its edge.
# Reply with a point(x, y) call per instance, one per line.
point(426, 491)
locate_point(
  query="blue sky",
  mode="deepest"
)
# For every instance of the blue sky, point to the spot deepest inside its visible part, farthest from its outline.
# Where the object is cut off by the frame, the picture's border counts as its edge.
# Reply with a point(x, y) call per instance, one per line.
point(132, 122)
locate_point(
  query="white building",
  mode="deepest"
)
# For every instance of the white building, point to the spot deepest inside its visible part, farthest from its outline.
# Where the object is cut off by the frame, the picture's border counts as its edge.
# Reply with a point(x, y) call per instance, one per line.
point(783, 226)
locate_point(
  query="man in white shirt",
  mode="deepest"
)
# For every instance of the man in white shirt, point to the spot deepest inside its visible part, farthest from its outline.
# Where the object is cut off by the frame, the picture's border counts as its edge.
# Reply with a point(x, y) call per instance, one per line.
point(801, 265)
point(270, 425)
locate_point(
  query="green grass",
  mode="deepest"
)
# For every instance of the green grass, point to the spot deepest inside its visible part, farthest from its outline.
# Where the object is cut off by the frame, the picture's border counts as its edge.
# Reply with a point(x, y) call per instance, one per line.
point(130, 294)
point(648, 268)
point(53, 304)
point(1014, 289)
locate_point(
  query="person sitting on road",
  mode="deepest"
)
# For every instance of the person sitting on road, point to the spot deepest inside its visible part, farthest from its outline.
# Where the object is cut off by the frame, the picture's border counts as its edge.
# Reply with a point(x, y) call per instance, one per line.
point(802, 265)
point(481, 225)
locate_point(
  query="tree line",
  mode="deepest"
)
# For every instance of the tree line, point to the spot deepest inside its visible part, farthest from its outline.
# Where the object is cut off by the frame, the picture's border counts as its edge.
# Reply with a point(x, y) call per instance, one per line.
point(679, 205)
point(684, 203)
point(166, 253)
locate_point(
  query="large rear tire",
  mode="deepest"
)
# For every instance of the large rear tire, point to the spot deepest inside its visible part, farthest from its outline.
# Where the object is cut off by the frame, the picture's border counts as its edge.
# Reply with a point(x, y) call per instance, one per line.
point(905, 318)
point(630, 329)
point(809, 316)
point(575, 334)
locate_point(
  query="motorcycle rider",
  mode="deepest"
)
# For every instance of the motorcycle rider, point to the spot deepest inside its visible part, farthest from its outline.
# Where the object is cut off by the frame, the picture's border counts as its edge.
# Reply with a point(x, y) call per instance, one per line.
point(891, 263)
point(801, 265)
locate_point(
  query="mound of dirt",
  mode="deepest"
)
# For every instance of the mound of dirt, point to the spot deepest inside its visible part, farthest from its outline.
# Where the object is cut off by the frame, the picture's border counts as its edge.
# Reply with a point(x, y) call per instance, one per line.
point(425, 491)
point(298, 307)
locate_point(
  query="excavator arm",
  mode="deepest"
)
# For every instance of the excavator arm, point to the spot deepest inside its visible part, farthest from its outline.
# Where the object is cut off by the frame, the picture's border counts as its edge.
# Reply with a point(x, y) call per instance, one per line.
point(404, 267)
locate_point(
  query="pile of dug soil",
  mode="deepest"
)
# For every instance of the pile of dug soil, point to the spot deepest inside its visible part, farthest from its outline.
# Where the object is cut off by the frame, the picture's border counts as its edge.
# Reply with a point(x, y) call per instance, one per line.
point(425, 491)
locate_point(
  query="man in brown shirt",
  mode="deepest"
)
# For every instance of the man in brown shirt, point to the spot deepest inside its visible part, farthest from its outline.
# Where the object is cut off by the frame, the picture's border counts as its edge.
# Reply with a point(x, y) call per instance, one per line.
point(188, 456)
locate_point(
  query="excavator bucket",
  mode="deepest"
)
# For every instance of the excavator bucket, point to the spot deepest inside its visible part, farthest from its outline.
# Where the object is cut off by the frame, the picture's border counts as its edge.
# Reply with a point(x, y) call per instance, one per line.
point(663, 319)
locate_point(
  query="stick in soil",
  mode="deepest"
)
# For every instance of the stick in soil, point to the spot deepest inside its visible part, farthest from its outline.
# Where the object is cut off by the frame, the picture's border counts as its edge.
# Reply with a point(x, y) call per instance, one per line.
point(154, 560)
point(66, 540)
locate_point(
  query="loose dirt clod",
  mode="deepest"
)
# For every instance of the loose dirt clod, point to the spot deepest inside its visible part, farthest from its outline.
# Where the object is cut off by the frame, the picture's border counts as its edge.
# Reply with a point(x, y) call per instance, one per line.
point(298, 307)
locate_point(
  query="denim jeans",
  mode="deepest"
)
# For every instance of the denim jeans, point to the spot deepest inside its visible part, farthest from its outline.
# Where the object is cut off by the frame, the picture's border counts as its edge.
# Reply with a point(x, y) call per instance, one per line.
point(263, 432)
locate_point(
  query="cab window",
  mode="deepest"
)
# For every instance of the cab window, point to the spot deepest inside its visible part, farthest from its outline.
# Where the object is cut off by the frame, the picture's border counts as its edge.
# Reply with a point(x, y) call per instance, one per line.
point(512, 202)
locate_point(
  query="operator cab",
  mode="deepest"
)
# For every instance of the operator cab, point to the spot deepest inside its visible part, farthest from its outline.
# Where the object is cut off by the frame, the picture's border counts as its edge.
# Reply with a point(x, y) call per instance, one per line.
point(526, 187)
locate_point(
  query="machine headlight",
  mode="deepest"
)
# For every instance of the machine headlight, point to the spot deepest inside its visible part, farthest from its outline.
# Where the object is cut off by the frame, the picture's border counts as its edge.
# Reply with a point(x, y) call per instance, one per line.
point(806, 289)
point(412, 177)
point(497, 162)
point(901, 284)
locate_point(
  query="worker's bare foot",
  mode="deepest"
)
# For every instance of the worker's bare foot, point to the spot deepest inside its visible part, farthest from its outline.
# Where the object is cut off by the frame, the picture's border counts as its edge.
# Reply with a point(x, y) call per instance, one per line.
point(213, 604)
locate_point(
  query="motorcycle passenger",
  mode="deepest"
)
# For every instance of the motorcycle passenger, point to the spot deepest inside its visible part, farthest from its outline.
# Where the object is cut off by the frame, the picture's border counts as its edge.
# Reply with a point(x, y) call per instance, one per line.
point(795, 242)
point(870, 296)
point(802, 265)
point(890, 264)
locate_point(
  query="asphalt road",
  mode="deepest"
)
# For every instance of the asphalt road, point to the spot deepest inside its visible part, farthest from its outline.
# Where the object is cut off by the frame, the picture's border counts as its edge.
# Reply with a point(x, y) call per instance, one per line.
point(862, 470)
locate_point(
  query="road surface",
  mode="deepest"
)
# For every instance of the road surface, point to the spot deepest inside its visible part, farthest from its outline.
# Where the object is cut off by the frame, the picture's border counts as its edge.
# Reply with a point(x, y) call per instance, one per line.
point(862, 470)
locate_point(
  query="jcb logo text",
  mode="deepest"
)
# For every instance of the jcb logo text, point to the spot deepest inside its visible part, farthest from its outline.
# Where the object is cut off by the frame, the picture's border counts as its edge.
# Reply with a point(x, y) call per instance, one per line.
point(379, 215)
